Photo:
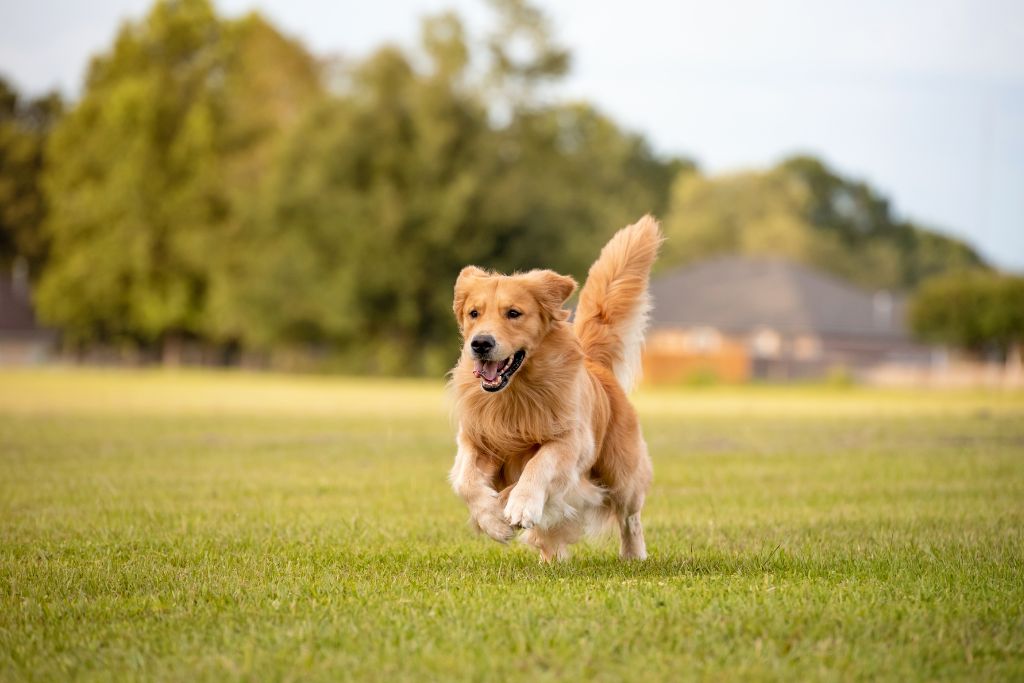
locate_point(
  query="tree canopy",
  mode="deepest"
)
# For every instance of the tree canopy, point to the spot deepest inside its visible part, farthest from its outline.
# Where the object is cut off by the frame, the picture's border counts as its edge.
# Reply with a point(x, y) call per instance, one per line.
point(152, 170)
point(803, 210)
point(978, 312)
point(392, 184)
point(24, 127)
point(217, 183)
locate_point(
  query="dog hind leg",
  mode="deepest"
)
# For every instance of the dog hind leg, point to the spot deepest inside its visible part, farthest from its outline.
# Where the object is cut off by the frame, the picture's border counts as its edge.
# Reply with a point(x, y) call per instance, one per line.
point(553, 543)
point(627, 497)
point(633, 546)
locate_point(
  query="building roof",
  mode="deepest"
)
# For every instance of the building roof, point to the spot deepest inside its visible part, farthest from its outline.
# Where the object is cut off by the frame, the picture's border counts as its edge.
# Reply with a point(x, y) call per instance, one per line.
point(741, 295)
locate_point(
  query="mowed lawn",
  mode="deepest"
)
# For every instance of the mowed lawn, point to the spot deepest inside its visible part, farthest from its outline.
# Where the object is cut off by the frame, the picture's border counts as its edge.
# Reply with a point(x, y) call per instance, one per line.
point(225, 526)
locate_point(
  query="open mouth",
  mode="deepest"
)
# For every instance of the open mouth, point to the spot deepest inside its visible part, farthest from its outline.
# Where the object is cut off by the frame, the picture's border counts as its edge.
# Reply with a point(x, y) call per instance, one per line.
point(494, 375)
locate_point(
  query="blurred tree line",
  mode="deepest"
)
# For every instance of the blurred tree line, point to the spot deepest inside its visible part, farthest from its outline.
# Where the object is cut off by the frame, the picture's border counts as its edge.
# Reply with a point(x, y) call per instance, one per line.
point(980, 312)
point(803, 210)
point(24, 128)
point(218, 184)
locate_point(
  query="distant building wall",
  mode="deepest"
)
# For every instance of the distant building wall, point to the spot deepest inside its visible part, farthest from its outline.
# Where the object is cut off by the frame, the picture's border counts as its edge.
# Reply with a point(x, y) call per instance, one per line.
point(22, 340)
point(742, 318)
point(675, 356)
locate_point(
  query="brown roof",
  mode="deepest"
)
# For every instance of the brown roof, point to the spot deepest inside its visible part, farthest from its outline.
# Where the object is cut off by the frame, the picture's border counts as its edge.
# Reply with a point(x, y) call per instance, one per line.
point(740, 295)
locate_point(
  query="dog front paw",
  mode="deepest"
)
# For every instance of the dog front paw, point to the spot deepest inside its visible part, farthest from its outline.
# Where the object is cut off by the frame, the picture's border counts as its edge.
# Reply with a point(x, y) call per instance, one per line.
point(524, 508)
point(494, 525)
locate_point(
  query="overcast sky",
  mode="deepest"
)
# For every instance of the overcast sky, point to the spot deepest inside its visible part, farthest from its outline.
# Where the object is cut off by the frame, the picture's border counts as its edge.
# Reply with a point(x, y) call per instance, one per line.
point(922, 98)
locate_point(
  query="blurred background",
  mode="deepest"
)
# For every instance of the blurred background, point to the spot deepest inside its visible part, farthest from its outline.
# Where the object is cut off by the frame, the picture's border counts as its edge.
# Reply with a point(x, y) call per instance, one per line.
point(294, 185)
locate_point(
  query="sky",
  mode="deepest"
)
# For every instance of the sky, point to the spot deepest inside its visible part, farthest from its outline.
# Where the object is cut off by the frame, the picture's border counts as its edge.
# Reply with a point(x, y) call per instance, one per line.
point(924, 99)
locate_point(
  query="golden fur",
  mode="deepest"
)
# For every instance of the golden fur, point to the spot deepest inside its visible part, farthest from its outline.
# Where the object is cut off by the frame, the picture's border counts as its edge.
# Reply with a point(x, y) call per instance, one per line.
point(558, 448)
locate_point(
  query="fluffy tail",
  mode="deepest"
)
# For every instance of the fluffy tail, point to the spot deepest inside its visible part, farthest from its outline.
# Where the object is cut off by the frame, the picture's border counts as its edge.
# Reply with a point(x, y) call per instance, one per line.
point(612, 314)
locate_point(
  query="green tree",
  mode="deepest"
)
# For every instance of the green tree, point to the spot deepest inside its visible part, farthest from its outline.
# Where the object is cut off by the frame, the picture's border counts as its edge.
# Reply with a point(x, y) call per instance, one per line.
point(523, 56)
point(271, 83)
point(206, 186)
point(24, 128)
point(804, 211)
point(979, 312)
point(149, 171)
point(566, 177)
point(370, 208)
point(388, 188)
point(904, 254)
point(752, 213)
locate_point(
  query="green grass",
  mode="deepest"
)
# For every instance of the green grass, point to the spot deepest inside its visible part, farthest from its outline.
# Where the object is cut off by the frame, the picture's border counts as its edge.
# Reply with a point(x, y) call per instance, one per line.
point(197, 526)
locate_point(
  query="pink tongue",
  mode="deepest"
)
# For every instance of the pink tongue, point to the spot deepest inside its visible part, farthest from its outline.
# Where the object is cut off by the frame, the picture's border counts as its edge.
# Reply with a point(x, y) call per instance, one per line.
point(487, 369)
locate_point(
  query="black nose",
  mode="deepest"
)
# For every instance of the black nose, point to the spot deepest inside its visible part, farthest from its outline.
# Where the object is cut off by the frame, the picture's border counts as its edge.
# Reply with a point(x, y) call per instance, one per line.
point(482, 344)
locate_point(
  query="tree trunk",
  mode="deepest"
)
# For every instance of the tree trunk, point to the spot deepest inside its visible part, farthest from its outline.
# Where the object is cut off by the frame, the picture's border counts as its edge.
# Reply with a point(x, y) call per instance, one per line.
point(172, 350)
point(1014, 375)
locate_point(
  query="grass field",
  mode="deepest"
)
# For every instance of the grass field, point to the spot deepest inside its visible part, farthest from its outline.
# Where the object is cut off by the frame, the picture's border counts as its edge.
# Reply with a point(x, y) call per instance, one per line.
point(201, 527)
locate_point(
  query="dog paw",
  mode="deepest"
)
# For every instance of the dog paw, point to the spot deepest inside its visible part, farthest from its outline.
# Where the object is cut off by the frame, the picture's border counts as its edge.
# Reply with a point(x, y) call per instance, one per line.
point(524, 508)
point(495, 526)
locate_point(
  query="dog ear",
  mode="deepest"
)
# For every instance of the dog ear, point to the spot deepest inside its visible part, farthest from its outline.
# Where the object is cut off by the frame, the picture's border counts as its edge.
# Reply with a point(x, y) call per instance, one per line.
point(551, 290)
point(468, 273)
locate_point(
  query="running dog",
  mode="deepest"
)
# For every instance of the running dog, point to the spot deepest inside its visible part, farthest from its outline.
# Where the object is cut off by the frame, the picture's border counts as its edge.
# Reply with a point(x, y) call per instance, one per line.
point(547, 440)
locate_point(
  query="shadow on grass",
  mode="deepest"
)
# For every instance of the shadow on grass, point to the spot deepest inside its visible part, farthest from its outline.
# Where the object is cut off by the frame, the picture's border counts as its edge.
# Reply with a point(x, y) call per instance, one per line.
point(882, 559)
point(517, 564)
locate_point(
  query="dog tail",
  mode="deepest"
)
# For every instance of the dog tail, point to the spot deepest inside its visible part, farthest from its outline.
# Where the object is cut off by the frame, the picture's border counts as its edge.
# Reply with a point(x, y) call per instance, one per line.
point(612, 314)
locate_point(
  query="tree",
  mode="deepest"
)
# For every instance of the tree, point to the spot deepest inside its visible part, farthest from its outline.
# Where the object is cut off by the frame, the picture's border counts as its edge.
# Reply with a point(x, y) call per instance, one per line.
point(207, 187)
point(803, 211)
point(149, 173)
point(863, 220)
point(566, 177)
point(979, 312)
point(393, 184)
point(24, 128)
point(271, 84)
point(370, 208)
point(753, 213)
point(523, 56)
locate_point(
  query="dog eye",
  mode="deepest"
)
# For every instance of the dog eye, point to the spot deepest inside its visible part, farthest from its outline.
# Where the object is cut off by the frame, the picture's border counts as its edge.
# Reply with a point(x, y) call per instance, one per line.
point(474, 313)
point(513, 313)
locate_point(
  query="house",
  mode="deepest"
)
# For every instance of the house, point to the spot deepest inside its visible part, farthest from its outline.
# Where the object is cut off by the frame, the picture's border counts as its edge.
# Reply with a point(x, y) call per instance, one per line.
point(737, 318)
point(22, 340)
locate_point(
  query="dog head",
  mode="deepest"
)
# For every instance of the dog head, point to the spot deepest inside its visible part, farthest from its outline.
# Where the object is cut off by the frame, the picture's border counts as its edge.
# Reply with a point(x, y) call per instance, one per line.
point(503, 318)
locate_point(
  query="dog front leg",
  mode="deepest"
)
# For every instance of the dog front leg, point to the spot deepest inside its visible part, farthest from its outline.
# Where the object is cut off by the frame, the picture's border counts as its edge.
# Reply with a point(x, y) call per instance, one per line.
point(551, 468)
point(474, 487)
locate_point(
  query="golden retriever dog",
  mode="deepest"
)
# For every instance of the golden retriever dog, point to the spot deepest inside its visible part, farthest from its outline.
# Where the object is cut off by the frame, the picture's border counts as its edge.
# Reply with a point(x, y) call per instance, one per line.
point(547, 440)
